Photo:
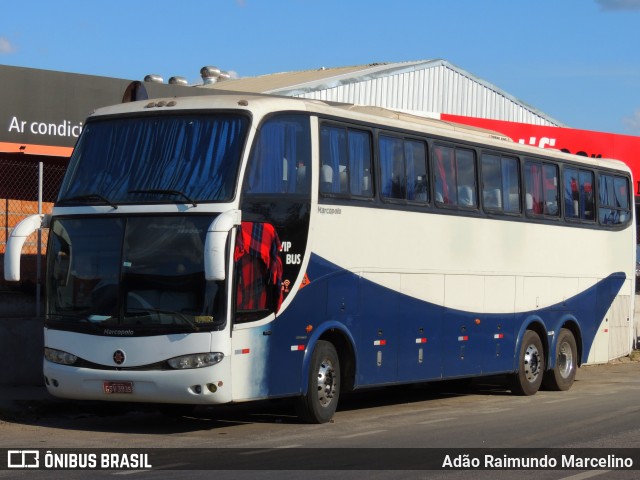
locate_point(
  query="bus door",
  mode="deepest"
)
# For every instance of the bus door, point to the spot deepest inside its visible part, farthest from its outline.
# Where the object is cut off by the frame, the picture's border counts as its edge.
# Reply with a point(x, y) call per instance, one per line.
point(268, 254)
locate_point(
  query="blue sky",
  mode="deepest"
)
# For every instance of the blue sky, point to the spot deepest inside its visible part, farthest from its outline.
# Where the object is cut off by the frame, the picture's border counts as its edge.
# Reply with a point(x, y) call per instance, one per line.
point(576, 60)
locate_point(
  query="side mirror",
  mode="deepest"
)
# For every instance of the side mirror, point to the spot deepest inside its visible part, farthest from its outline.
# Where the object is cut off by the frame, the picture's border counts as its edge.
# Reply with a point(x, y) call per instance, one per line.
point(215, 243)
point(16, 240)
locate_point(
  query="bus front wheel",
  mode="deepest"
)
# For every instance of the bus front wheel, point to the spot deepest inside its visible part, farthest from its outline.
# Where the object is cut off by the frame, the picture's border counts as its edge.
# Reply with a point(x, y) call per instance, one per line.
point(323, 387)
point(528, 378)
point(561, 377)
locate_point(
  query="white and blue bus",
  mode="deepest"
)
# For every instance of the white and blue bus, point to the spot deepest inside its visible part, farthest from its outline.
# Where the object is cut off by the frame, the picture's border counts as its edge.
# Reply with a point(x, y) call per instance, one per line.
point(236, 247)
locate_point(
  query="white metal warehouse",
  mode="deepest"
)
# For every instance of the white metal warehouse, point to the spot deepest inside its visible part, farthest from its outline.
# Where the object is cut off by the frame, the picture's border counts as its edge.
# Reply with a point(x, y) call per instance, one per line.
point(425, 87)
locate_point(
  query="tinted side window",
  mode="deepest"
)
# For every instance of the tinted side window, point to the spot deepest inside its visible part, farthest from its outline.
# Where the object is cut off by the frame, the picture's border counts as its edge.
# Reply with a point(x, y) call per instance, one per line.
point(345, 161)
point(281, 157)
point(360, 163)
point(579, 201)
point(541, 189)
point(614, 200)
point(455, 176)
point(403, 169)
point(393, 180)
point(500, 183)
point(415, 154)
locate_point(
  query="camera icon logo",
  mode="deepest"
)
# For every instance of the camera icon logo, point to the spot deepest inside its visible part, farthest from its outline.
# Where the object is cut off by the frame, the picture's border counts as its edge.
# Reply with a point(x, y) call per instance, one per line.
point(23, 459)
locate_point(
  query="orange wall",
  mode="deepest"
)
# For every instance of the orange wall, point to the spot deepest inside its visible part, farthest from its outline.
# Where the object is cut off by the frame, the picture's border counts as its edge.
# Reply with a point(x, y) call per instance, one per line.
point(12, 212)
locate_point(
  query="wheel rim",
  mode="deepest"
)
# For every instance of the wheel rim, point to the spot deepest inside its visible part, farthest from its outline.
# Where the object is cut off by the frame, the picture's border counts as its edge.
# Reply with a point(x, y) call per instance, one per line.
point(565, 360)
point(326, 383)
point(532, 363)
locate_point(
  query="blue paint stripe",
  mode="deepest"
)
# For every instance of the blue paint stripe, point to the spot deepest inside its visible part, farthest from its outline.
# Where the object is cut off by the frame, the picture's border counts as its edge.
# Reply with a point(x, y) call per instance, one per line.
point(386, 325)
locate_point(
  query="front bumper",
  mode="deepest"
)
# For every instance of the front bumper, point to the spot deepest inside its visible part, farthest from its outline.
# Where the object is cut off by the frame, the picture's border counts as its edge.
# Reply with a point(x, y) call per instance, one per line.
point(198, 386)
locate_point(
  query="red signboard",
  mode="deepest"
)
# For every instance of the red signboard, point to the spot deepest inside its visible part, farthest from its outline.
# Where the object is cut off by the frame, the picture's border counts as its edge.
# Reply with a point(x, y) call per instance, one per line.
point(580, 142)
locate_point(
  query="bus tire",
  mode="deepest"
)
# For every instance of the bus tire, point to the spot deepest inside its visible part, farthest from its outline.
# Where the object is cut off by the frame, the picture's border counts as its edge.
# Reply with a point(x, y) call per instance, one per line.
point(323, 385)
point(528, 378)
point(561, 376)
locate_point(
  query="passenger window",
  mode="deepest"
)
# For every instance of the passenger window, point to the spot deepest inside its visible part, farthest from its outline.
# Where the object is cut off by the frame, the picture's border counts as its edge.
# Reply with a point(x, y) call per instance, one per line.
point(415, 154)
point(333, 160)
point(360, 163)
point(281, 157)
point(541, 189)
point(403, 169)
point(392, 175)
point(455, 177)
point(445, 176)
point(579, 201)
point(345, 161)
point(500, 183)
point(614, 200)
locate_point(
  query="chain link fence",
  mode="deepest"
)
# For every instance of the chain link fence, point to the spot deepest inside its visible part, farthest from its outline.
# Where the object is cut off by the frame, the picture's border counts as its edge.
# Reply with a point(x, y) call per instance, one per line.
point(27, 187)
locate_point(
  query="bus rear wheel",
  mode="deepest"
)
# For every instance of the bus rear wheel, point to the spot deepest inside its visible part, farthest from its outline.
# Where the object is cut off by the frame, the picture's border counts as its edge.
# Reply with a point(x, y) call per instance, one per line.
point(561, 377)
point(528, 378)
point(323, 387)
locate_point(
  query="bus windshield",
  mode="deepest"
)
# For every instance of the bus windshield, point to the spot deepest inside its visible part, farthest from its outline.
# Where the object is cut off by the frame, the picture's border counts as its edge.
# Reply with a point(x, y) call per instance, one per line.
point(158, 159)
point(145, 274)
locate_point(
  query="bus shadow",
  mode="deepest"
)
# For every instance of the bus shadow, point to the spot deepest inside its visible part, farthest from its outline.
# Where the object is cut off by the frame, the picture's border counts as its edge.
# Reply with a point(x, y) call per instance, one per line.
point(110, 417)
point(154, 419)
point(423, 392)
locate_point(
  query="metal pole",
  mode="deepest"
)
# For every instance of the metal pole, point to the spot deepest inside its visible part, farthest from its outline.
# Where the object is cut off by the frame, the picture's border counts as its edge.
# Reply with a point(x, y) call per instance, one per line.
point(39, 246)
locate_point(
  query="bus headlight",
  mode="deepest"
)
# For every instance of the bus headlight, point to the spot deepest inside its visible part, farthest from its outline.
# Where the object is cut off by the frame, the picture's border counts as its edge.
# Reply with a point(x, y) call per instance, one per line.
point(197, 360)
point(58, 356)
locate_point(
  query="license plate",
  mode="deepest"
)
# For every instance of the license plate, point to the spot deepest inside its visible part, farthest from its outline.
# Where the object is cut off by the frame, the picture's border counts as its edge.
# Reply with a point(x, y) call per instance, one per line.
point(117, 387)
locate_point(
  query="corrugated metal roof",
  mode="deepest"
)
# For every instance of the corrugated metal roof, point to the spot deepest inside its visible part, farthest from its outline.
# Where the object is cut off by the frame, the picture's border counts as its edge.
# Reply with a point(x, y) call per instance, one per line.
point(274, 82)
point(418, 87)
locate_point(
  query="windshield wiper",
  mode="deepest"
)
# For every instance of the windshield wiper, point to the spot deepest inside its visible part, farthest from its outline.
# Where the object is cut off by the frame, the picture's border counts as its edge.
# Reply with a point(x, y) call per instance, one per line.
point(167, 192)
point(179, 315)
point(90, 196)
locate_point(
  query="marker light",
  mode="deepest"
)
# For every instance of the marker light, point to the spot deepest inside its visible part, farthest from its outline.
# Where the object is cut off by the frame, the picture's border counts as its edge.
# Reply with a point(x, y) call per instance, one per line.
point(58, 356)
point(197, 360)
